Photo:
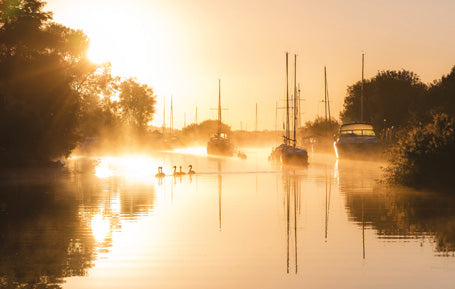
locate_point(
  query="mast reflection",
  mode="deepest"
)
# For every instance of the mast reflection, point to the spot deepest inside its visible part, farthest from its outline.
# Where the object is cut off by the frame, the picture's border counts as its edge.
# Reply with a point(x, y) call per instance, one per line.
point(292, 190)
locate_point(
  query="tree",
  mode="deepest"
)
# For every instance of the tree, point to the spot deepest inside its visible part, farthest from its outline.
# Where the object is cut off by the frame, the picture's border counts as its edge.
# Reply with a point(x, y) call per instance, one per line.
point(392, 96)
point(40, 63)
point(320, 127)
point(99, 113)
point(137, 104)
point(441, 95)
point(424, 157)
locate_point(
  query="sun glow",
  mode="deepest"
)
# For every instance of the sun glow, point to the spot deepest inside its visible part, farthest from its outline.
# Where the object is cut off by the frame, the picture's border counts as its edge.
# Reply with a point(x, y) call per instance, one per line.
point(132, 167)
point(121, 40)
point(100, 227)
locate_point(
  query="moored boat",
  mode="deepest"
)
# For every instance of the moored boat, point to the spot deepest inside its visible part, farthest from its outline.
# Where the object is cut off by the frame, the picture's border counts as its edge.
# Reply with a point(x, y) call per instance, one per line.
point(288, 153)
point(357, 139)
point(220, 144)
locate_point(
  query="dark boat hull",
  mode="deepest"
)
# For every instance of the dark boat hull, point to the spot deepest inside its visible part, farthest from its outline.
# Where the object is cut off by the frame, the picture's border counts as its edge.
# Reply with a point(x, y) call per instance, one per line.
point(289, 155)
point(358, 150)
point(220, 149)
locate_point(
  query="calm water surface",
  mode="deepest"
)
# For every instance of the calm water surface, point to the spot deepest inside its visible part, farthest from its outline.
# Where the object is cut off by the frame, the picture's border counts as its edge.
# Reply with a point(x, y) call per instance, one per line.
point(109, 223)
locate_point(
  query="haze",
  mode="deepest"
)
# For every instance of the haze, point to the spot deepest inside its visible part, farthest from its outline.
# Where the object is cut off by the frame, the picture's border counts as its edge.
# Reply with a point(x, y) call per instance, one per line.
point(181, 48)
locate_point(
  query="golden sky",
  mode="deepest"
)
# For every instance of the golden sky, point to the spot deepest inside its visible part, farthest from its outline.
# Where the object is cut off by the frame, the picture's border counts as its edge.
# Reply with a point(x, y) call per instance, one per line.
point(182, 47)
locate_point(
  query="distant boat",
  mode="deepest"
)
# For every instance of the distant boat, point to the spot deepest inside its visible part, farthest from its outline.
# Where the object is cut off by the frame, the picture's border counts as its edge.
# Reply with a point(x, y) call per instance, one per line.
point(288, 152)
point(220, 144)
point(357, 140)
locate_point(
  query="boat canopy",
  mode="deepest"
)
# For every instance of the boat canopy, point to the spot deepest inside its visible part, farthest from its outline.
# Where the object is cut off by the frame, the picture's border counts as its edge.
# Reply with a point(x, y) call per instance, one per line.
point(357, 129)
point(353, 126)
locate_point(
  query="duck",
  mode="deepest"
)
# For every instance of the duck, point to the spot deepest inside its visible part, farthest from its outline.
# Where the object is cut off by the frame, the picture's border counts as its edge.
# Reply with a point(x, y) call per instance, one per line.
point(190, 170)
point(176, 174)
point(241, 155)
point(160, 173)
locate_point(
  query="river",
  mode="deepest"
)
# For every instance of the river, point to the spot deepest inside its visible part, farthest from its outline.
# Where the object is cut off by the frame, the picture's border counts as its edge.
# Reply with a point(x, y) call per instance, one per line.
point(107, 222)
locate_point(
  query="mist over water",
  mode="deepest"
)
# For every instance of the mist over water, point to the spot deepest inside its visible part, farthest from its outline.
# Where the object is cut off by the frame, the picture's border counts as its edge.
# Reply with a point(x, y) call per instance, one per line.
point(108, 222)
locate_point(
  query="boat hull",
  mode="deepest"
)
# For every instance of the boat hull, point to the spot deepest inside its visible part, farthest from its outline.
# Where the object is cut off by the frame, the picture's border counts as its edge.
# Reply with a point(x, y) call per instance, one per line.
point(358, 150)
point(220, 149)
point(294, 157)
point(289, 155)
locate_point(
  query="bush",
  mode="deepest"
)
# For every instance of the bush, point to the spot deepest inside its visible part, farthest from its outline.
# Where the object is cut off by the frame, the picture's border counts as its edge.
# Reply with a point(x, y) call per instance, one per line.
point(425, 157)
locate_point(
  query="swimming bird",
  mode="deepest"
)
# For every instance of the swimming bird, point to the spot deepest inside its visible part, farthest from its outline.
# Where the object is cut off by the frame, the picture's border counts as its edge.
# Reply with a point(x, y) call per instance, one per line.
point(241, 155)
point(160, 173)
point(190, 171)
point(176, 174)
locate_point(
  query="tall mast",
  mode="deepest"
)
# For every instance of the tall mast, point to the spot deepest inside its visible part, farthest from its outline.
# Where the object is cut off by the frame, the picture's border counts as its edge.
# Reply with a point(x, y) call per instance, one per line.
point(361, 91)
point(196, 114)
point(325, 94)
point(172, 117)
point(219, 107)
point(184, 119)
point(299, 112)
point(276, 115)
point(164, 115)
point(287, 102)
point(295, 97)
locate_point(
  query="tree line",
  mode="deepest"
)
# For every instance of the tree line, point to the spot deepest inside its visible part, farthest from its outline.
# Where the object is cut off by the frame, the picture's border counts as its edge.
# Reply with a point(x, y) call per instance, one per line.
point(52, 96)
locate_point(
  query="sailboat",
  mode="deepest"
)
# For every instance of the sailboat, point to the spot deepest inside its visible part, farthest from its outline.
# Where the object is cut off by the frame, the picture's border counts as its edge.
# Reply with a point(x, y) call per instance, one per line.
point(288, 152)
point(220, 144)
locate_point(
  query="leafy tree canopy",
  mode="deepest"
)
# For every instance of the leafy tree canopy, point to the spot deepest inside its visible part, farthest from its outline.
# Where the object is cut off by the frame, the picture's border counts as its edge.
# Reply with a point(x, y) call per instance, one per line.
point(320, 127)
point(137, 104)
point(394, 96)
point(40, 62)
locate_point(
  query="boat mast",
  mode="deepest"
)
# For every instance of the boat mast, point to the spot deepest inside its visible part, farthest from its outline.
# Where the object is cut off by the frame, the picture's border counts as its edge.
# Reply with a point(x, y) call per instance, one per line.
point(325, 94)
point(172, 117)
point(299, 113)
point(276, 115)
point(295, 98)
point(219, 107)
point(361, 91)
point(164, 115)
point(287, 103)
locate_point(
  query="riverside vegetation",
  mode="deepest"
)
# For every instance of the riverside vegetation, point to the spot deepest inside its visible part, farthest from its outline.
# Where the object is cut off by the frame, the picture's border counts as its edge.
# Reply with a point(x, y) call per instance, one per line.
point(421, 117)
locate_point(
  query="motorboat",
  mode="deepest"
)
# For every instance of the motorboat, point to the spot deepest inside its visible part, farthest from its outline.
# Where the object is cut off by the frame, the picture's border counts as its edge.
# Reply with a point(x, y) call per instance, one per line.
point(357, 139)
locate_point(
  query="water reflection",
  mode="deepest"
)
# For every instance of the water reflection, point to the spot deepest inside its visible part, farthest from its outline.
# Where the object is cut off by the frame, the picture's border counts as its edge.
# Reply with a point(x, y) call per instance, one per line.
point(291, 183)
point(330, 225)
point(41, 235)
point(56, 225)
point(398, 213)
